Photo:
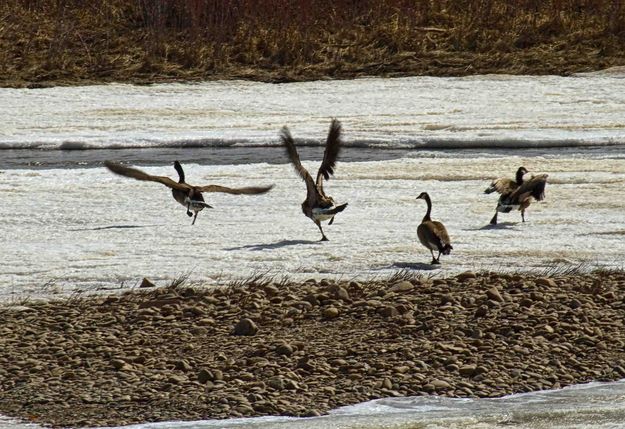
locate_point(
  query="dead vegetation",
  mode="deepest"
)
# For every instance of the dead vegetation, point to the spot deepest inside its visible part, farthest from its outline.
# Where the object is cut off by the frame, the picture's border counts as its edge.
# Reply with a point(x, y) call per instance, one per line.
point(78, 41)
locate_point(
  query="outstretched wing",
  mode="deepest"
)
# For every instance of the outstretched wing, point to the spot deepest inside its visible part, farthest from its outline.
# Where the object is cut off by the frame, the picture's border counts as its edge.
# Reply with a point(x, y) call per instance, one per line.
point(534, 187)
point(502, 186)
point(251, 190)
point(333, 147)
point(291, 151)
point(141, 175)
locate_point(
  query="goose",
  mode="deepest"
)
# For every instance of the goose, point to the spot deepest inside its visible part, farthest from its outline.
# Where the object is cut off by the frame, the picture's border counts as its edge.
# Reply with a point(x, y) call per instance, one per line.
point(433, 234)
point(517, 193)
point(318, 206)
point(188, 195)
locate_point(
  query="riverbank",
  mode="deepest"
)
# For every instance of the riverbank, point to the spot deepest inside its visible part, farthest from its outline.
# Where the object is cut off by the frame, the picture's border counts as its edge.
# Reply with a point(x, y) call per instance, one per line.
point(47, 43)
point(264, 348)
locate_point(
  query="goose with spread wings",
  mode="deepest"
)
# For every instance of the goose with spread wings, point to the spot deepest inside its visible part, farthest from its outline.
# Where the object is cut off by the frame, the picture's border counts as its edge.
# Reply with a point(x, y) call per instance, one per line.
point(517, 193)
point(188, 195)
point(318, 206)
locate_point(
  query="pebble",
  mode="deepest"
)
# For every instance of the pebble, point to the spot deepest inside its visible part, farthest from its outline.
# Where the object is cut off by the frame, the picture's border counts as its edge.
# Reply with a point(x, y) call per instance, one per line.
point(443, 338)
point(330, 313)
point(245, 327)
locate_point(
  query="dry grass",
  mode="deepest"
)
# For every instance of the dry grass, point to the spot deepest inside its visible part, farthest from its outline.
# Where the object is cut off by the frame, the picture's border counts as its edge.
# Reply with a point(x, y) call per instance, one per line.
point(69, 41)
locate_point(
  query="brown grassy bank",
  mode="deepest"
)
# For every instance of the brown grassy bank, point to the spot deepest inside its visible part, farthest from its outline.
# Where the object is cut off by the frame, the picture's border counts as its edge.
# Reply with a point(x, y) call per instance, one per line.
point(79, 41)
point(179, 353)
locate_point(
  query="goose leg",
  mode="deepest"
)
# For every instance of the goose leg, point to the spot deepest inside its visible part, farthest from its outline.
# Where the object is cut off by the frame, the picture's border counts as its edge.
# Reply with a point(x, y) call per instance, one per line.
point(189, 211)
point(194, 217)
point(493, 221)
point(331, 220)
point(323, 236)
point(523, 215)
point(434, 260)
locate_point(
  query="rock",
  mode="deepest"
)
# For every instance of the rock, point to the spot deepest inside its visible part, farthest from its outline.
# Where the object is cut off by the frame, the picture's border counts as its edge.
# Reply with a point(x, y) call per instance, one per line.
point(481, 311)
point(330, 313)
point(467, 275)
point(467, 370)
point(218, 375)
point(544, 281)
point(440, 384)
point(340, 293)
point(403, 286)
point(284, 349)
point(183, 365)
point(493, 293)
point(120, 365)
point(276, 383)
point(245, 327)
point(204, 376)
point(146, 283)
point(388, 311)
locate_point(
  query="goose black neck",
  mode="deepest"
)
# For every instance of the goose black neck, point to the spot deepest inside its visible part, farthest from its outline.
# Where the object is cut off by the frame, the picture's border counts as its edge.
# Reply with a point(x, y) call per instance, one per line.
point(180, 171)
point(426, 197)
point(519, 176)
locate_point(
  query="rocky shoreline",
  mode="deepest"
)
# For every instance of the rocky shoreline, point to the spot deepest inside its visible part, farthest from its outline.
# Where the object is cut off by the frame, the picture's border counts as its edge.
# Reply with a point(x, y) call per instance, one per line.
point(265, 348)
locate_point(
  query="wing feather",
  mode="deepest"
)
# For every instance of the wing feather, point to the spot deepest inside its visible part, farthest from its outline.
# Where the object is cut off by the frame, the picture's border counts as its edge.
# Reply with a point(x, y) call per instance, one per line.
point(502, 186)
point(330, 155)
point(534, 187)
point(291, 151)
point(137, 174)
point(250, 190)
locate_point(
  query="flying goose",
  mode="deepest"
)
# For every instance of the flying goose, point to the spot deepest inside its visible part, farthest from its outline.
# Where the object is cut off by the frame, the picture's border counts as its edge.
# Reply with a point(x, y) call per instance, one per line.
point(517, 193)
point(433, 234)
point(317, 206)
point(188, 195)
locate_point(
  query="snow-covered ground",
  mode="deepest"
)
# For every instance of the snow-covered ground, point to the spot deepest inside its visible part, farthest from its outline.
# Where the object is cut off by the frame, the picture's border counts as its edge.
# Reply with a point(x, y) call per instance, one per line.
point(87, 228)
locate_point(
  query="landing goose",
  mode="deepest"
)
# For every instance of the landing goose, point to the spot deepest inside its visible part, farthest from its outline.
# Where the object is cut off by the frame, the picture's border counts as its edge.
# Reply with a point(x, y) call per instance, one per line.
point(433, 234)
point(188, 195)
point(318, 206)
point(517, 193)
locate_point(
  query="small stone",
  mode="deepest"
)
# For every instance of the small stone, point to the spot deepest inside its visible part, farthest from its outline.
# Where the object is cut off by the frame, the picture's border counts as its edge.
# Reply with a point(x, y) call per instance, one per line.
point(403, 286)
point(245, 327)
point(481, 311)
point(183, 365)
point(388, 311)
point(284, 349)
point(204, 375)
point(276, 383)
point(493, 293)
point(341, 293)
point(467, 370)
point(330, 313)
point(467, 275)
point(440, 384)
point(544, 281)
point(120, 365)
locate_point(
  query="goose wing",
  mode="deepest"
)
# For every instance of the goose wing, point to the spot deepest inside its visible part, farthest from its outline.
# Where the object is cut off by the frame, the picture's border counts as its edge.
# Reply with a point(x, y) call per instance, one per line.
point(439, 230)
point(333, 147)
point(291, 151)
point(502, 186)
point(532, 188)
point(250, 190)
point(137, 174)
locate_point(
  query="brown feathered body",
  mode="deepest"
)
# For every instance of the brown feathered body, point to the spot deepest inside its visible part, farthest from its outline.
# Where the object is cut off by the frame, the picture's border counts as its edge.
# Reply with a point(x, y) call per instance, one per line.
point(433, 234)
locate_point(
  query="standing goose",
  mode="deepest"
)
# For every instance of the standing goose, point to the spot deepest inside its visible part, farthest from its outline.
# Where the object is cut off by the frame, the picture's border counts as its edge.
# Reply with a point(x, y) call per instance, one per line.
point(317, 206)
point(517, 193)
point(188, 195)
point(433, 234)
